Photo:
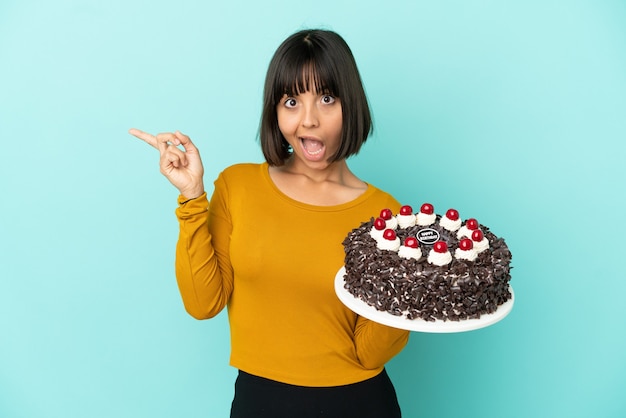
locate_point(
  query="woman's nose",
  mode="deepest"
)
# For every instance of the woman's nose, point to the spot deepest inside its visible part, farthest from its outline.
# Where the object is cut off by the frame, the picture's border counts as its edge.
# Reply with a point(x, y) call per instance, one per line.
point(310, 117)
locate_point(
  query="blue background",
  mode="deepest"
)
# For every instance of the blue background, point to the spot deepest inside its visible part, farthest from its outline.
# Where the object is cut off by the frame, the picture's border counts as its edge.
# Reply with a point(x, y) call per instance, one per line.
point(510, 111)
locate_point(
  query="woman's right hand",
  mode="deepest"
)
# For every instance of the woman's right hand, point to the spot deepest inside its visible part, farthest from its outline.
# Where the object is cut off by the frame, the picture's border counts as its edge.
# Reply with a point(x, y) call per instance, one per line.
point(183, 168)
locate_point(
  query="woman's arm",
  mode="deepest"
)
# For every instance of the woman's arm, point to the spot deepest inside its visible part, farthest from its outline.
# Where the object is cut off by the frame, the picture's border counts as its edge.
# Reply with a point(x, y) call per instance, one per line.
point(376, 344)
point(203, 270)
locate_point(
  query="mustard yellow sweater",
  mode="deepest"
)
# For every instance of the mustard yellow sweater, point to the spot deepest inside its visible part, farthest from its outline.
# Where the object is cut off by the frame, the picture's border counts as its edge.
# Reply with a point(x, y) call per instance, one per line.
point(272, 261)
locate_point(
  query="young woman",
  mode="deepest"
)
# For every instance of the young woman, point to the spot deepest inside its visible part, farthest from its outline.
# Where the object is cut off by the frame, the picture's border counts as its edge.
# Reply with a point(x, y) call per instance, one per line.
point(267, 245)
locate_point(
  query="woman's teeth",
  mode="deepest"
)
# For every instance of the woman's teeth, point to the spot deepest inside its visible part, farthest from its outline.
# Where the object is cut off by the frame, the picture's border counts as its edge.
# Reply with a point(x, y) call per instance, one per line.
point(312, 146)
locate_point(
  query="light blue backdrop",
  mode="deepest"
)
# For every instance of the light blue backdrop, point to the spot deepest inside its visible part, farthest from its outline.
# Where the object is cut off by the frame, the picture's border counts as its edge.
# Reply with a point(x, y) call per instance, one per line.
point(511, 111)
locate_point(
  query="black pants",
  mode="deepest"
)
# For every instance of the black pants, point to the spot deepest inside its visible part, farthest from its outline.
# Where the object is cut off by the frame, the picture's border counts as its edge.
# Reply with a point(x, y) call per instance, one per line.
point(257, 397)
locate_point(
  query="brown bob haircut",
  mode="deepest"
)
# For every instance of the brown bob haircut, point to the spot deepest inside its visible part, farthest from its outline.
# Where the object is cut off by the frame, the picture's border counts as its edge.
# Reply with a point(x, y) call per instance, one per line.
point(322, 60)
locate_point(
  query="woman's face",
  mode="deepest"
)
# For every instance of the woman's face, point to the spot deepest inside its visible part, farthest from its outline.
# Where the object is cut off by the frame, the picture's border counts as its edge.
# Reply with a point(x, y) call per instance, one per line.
point(311, 123)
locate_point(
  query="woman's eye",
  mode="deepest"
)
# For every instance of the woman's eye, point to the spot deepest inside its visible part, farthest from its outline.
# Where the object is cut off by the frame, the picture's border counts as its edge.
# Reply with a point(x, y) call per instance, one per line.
point(290, 102)
point(328, 99)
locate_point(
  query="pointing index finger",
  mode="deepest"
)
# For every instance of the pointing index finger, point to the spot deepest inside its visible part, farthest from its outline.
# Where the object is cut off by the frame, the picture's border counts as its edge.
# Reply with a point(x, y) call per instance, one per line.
point(144, 136)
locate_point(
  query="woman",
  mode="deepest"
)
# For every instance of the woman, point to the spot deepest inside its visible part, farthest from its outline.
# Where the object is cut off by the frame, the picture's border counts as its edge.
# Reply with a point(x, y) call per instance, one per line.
point(268, 243)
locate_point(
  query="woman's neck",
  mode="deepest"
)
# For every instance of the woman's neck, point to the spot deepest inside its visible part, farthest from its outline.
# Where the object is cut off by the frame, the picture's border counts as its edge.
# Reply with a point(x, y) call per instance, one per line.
point(332, 185)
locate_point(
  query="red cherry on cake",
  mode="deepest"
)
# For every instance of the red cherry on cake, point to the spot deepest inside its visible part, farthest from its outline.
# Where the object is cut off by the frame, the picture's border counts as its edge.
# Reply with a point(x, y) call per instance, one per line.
point(411, 242)
point(427, 209)
point(380, 224)
point(386, 214)
point(389, 234)
point(466, 244)
point(477, 235)
point(406, 210)
point(440, 247)
point(452, 214)
point(471, 224)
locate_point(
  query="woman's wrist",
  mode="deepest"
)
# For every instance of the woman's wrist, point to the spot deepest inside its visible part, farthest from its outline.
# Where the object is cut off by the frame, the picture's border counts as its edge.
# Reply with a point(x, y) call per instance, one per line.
point(193, 193)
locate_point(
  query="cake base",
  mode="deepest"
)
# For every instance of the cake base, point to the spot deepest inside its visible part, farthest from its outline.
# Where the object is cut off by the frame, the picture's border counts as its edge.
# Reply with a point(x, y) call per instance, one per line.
point(439, 326)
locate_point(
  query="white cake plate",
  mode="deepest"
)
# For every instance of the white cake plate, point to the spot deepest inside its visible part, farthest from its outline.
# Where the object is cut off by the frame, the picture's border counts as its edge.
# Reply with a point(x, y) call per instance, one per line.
point(360, 307)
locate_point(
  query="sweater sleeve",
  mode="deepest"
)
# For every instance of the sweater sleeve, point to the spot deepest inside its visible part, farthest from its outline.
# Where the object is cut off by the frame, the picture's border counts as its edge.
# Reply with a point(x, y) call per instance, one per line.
point(376, 344)
point(203, 270)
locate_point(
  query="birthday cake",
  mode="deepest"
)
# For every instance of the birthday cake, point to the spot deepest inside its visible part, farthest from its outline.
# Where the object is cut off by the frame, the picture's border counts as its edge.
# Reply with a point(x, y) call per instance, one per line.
point(427, 266)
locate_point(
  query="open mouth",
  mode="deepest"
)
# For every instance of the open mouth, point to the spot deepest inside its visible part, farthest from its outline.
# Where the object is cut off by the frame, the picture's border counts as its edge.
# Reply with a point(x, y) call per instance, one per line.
point(312, 147)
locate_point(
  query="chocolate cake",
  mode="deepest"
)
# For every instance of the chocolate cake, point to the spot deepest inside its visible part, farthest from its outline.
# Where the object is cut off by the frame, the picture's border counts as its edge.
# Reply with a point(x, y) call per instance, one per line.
point(427, 266)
